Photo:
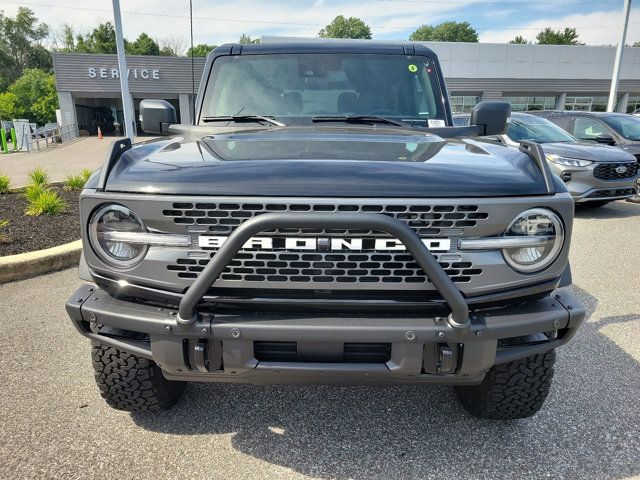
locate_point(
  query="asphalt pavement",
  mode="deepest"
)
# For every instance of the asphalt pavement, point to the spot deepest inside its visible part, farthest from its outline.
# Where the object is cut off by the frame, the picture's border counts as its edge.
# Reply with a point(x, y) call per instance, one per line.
point(53, 423)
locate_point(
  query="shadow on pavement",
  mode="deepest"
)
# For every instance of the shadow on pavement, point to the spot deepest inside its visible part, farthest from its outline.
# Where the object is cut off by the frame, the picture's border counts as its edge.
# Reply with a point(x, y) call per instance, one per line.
point(618, 209)
point(587, 429)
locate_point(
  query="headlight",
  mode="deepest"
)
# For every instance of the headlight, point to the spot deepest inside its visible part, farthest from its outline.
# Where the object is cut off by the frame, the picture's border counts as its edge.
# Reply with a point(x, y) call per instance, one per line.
point(537, 222)
point(569, 162)
point(106, 227)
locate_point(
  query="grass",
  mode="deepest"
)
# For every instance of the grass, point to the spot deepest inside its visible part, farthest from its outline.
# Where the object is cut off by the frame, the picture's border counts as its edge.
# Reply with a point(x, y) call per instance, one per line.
point(47, 203)
point(39, 176)
point(33, 191)
point(4, 238)
point(74, 182)
point(5, 184)
point(86, 173)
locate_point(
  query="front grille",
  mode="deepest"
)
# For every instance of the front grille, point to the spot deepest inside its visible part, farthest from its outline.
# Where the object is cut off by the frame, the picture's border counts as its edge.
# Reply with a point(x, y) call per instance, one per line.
point(223, 218)
point(279, 268)
point(325, 268)
point(607, 171)
point(620, 192)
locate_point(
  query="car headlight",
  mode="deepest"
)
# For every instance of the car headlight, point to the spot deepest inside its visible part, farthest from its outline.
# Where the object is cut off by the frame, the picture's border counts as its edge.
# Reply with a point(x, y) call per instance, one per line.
point(106, 229)
point(537, 222)
point(566, 161)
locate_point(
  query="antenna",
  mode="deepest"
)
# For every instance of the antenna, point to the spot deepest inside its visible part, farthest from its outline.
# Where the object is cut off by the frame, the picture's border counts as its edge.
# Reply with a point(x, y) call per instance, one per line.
point(193, 74)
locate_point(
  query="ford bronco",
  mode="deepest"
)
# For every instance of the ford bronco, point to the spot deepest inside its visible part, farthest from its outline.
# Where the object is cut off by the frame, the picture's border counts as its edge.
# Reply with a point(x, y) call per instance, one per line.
point(325, 222)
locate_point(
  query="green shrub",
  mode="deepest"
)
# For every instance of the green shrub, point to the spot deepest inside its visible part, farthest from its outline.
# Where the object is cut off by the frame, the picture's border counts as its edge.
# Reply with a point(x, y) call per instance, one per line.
point(33, 191)
point(86, 173)
point(39, 176)
point(74, 182)
point(5, 184)
point(48, 203)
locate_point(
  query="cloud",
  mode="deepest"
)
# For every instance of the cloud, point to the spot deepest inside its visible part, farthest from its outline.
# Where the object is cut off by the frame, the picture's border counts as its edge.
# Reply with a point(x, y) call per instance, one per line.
point(225, 20)
point(222, 21)
point(602, 28)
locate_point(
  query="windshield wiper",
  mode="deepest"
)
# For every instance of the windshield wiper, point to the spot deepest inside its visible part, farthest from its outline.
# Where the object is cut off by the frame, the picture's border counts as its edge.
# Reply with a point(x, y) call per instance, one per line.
point(359, 119)
point(244, 118)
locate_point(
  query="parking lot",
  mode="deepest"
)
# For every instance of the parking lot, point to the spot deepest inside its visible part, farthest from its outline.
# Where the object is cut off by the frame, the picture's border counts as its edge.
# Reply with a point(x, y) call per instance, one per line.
point(54, 423)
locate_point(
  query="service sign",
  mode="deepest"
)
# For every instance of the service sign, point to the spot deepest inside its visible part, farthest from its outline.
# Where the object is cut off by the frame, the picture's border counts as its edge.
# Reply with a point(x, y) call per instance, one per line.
point(137, 72)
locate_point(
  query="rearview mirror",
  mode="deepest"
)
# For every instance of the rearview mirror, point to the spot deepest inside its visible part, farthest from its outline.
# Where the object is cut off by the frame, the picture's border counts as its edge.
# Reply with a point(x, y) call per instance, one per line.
point(605, 138)
point(156, 116)
point(491, 117)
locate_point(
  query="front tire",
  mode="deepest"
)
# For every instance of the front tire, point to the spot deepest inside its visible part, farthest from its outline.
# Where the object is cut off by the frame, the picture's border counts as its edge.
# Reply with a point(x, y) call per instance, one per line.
point(510, 390)
point(131, 383)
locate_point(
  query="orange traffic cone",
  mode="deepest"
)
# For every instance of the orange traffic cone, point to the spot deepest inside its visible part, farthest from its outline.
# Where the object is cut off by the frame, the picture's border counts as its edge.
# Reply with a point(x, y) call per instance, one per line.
point(99, 134)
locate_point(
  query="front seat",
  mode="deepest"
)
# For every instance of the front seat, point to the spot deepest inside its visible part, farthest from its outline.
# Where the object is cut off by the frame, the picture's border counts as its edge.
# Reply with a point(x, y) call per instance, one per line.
point(369, 102)
point(291, 103)
point(347, 102)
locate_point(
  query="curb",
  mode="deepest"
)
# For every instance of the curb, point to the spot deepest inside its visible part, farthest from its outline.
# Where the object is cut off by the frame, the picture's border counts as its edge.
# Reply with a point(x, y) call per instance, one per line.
point(32, 264)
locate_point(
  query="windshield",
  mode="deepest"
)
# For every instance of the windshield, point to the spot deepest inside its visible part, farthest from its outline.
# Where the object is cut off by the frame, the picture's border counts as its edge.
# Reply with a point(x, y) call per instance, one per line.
point(311, 85)
point(536, 129)
point(627, 126)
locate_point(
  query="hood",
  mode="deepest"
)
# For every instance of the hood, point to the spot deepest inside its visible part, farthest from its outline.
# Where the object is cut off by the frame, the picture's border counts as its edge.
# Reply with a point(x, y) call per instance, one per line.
point(588, 151)
point(632, 148)
point(314, 161)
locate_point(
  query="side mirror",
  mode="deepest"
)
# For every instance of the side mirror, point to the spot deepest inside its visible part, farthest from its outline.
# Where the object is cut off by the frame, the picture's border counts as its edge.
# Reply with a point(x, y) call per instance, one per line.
point(156, 116)
point(606, 138)
point(491, 117)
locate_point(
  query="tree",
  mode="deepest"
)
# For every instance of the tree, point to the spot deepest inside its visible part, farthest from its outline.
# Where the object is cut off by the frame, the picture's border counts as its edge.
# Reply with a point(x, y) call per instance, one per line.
point(549, 36)
point(519, 41)
point(102, 39)
point(8, 106)
point(143, 45)
point(637, 44)
point(244, 39)
point(201, 50)
point(446, 32)
point(172, 46)
point(33, 96)
point(342, 27)
point(20, 45)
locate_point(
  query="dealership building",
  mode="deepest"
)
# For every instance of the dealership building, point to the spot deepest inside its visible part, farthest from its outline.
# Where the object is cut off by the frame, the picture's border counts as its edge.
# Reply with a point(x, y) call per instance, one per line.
point(89, 87)
point(530, 77)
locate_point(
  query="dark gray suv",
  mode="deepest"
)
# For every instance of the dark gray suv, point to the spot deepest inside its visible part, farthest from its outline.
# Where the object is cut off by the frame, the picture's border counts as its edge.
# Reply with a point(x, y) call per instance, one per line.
point(325, 222)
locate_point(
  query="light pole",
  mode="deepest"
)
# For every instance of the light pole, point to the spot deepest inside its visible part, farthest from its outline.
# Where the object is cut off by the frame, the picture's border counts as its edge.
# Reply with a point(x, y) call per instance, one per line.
point(613, 93)
point(127, 107)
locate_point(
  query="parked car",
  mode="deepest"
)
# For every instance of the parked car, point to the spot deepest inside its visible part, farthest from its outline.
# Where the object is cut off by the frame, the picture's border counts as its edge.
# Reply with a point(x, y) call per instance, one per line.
point(594, 174)
point(339, 229)
point(619, 129)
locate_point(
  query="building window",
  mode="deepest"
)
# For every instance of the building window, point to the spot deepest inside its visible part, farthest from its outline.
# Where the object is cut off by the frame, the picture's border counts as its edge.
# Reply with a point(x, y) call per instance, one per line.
point(463, 103)
point(527, 104)
point(633, 104)
point(587, 104)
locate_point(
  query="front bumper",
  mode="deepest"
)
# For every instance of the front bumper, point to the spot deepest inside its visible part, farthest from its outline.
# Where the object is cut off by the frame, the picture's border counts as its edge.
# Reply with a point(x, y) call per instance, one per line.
point(422, 349)
point(585, 187)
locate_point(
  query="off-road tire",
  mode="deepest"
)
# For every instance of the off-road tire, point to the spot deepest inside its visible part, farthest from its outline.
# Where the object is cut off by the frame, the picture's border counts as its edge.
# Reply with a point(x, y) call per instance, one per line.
point(510, 390)
point(131, 383)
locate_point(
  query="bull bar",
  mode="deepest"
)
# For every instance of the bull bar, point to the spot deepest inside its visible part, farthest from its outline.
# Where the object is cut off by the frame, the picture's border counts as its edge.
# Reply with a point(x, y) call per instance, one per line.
point(458, 318)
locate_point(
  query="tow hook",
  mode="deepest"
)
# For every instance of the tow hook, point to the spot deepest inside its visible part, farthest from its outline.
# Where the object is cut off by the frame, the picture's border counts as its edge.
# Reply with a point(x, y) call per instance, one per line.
point(445, 360)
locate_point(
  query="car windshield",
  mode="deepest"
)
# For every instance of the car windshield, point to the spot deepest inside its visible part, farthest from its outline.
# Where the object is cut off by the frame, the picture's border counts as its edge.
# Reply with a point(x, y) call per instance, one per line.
point(536, 129)
point(317, 85)
point(627, 126)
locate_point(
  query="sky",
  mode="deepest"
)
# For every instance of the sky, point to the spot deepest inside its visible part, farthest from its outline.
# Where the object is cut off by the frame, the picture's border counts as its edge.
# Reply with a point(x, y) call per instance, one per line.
point(218, 21)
